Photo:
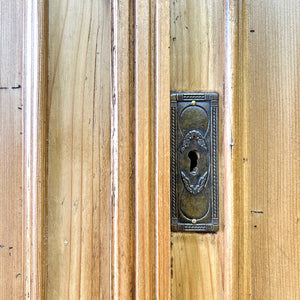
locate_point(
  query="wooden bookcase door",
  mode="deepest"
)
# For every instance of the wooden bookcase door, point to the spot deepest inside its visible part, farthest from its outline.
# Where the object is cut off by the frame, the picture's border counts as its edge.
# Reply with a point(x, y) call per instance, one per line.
point(85, 148)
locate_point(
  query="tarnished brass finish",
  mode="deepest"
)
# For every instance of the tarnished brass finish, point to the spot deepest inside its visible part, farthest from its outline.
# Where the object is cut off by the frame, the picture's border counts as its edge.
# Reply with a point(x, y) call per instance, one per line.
point(194, 162)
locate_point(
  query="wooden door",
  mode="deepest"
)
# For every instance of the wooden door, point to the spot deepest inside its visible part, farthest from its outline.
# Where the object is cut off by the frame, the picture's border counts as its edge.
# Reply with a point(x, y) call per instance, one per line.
point(247, 51)
point(85, 155)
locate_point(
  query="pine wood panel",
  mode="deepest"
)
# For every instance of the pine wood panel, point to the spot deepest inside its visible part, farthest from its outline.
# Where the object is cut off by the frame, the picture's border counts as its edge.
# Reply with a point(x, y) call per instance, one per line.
point(197, 64)
point(23, 149)
point(79, 150)
point(108, 163)
point(141, 236)
point(242, 155)
point(210, 52)
point(275, 140)
point(162, 150)
point(11, 186)
point(237, 158)
point(34, 148)
point(123, 149)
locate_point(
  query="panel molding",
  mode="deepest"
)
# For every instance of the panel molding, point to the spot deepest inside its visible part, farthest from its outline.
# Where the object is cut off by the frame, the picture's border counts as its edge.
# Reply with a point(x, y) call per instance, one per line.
point(34, 149)
point(140, 150)
point(237, 179)
point(108, 156)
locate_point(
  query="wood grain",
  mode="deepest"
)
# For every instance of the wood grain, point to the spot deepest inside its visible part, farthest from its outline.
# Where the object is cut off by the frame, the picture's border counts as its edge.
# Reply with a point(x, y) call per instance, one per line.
point(123, 152)
point(11, 186)
point(162, 150)
point(79, 182)
point(108, 163)
point(229, 150)
point(242, 155)
point(197, 64)
point(140, 141)
point(210, 52)
point(237, 159)
point(34, 148)
point(23, 149)
point(275, 140)
point(108, 156)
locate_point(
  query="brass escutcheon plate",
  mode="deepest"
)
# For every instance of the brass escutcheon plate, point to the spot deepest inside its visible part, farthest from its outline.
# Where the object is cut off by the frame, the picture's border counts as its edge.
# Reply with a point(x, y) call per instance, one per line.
point(194, 162)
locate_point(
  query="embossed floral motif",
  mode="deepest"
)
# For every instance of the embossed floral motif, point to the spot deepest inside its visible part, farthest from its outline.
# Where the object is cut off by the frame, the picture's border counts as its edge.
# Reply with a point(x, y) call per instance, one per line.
point(194, 188)
point(193, 134)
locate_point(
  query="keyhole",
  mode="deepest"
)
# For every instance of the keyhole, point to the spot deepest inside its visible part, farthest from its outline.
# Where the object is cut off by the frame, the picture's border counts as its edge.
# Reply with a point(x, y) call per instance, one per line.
point(193, 156)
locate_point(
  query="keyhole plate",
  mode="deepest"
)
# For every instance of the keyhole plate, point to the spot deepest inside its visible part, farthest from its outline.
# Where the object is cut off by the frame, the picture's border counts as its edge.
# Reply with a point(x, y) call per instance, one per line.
point(194, 162)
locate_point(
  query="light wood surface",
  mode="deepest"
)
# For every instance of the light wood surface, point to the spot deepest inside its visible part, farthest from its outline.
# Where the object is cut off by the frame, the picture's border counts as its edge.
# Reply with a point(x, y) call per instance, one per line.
point(107, 128)
point(108, 163)
point(79, 161)
point(197, 64)
point(261, 117)
point(34, 88)
point(11, 272)
point(242, 155)
point(22, 149)
point(123, 149)
point(275, 149)
point(140, 142)
point(162, 150)
point(237, 158)
point(209, 52)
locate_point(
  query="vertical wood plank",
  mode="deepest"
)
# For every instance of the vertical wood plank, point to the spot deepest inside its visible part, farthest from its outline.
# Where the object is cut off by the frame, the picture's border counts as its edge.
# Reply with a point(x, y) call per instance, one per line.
point(34, 148)
point(209, 52)
point(108, 182)
point(79, 150)
point(197, 64)
point(144, 163)
point(230, 150)
point(275, 141)
point(23, 149)
point(162, 151)
point(123, 148)
point(140, 134)
point(242, 156)
point(11, 186)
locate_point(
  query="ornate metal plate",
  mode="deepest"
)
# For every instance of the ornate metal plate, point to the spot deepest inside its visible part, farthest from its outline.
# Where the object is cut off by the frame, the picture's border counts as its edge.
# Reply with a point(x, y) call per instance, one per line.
point(194, 162)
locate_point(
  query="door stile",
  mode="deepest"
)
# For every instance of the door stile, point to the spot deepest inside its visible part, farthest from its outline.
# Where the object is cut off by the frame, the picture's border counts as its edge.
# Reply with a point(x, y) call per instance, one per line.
point(237, 160)
point(34, 148)
point(140, 150)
